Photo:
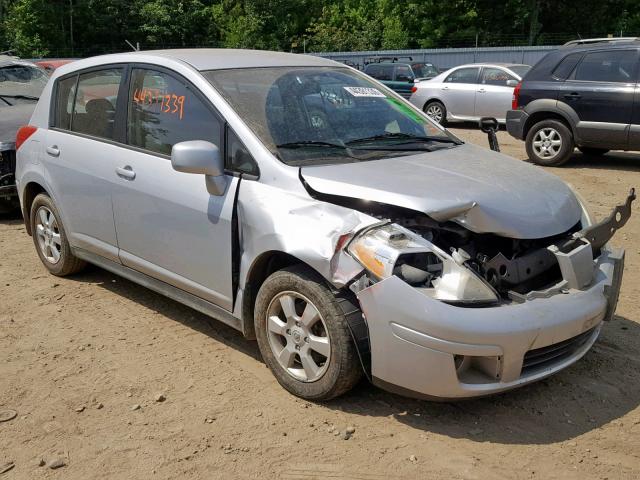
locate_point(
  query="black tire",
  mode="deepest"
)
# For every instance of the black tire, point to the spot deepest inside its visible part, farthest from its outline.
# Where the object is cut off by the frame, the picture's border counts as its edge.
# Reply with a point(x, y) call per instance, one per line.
point(67, 263)
point(436, 104)
point(566, 147)
point(593, 152)
point(343, 370)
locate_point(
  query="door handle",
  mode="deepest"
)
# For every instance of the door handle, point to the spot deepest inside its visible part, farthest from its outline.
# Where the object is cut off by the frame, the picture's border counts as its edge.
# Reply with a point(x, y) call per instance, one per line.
point(445, 88)
point(126, 172)
point(573, 96)
point(482, 90)
point(53, 150)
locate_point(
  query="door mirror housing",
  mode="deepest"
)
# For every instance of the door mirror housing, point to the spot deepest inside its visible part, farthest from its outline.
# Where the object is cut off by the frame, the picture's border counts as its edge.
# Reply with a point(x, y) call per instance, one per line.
point(512, 83)
point(198, 156)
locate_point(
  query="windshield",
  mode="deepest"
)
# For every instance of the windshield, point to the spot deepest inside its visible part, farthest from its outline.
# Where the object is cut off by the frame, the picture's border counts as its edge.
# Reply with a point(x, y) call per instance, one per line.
point(21, 83)
point(424, 70)
point(520, 70)
point(319, 115)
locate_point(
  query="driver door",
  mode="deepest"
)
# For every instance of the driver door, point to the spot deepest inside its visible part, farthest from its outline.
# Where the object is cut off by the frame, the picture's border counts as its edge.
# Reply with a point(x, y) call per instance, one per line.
point(168, 226)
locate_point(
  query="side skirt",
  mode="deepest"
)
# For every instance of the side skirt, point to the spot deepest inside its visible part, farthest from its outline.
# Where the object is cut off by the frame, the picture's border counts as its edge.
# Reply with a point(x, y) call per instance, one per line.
point(162, 288)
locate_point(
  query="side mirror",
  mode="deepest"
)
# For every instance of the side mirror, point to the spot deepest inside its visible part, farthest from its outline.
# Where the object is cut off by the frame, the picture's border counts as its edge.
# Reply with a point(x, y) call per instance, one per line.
point(198, 156)
point(512, 83)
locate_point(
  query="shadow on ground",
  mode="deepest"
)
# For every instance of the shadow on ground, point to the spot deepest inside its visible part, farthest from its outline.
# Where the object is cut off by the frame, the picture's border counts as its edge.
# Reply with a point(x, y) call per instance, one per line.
point(601, 388)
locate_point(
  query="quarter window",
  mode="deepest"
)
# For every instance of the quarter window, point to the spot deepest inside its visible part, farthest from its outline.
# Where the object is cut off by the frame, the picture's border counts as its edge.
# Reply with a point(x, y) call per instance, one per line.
point(608, 66)
point(566, 66)
point(94, 109)
point(463, 75)
point(238, 157)
point(164, 111)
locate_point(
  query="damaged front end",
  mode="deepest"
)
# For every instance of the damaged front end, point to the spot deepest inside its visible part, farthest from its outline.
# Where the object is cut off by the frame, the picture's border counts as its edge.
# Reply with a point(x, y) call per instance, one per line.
point(450, 263)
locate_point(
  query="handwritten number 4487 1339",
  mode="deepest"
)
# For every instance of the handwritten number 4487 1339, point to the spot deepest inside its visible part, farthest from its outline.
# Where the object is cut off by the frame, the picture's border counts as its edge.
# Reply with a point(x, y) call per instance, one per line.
point(169, 103)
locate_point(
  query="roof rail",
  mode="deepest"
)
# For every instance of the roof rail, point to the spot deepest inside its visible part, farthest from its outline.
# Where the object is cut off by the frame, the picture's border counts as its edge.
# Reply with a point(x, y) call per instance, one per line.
point(586, 41)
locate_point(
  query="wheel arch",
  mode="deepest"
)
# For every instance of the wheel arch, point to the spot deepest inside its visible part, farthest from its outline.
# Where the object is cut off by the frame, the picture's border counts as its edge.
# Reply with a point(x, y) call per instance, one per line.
point(548, 109)
point(30, 192)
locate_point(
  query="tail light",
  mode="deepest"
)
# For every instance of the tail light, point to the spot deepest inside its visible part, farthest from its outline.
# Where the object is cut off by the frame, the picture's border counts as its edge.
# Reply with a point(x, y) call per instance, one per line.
point(23, 134)
point(516, 96)
point(414, 89)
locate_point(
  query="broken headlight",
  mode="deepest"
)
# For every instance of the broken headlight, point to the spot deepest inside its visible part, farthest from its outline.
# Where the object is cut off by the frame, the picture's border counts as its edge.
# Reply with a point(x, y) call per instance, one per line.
point(390, 249)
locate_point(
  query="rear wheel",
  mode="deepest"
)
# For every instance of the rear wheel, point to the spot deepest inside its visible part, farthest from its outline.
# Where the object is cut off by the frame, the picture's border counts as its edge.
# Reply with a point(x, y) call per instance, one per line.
point(594, 152)
point(303, 335)
point(50, 238)
point(549, 143)
point(436, 111)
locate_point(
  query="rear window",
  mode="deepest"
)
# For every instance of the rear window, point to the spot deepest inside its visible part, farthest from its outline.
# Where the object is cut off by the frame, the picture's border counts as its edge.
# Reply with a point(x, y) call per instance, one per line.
point(564, 69)
point(608, 66)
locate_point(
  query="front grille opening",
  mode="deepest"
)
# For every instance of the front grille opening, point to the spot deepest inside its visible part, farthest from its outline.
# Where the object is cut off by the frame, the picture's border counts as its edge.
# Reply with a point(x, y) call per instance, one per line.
point(541, 358)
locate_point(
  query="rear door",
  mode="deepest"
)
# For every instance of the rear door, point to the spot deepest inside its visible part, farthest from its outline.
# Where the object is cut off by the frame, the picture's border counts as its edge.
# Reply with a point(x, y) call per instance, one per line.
point(80, 148)
point(168, 225)
point(458, 92)
point(601, 90)
point(493, 96)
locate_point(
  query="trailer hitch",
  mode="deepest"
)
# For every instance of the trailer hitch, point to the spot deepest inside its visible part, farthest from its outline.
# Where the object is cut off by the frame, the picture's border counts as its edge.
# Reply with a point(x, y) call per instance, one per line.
point(489, 125)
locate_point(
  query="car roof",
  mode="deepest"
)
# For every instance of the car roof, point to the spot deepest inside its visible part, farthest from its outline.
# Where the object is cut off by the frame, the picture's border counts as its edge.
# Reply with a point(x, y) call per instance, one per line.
point(493, 64)
point(226, 58)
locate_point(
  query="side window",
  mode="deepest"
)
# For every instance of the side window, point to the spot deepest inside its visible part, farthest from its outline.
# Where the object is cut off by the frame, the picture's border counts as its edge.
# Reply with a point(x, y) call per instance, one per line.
point(404, 73)
point(65, 95)
point(463, 75)
point(386, 72)
point(565, 67)
point(495, 76)
point(94, 109)
point(373, 71)
point(608, 66)
point(163, 111)
point(238, 157)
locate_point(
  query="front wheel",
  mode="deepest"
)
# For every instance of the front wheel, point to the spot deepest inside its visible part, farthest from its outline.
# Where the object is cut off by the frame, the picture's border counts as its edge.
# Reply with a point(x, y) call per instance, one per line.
point(549, 143)
point(303, 336)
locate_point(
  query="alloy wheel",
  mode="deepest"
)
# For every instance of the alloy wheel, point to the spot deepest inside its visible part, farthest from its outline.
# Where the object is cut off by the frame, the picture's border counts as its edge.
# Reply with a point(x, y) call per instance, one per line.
point(435, 112)
point(48, 235)
point(298, 336)
point(547, 143)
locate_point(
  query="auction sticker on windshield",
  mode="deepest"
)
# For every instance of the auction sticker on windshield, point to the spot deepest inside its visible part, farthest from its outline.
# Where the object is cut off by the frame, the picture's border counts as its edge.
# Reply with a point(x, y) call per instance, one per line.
point(365, 92)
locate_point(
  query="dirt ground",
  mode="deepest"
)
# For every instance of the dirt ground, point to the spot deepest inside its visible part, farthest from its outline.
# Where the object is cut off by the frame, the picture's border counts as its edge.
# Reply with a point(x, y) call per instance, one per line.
point(78, 354)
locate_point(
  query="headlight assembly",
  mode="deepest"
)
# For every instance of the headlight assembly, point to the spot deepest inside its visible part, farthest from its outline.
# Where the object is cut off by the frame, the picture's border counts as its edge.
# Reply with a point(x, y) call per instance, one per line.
point(390, 249)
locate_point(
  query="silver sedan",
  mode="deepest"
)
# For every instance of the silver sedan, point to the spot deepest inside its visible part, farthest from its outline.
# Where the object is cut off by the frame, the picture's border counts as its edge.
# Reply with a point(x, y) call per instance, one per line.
point(469, 92)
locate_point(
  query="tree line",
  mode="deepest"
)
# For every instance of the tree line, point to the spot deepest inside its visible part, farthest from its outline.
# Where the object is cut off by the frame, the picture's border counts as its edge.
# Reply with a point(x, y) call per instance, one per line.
point(75, 28)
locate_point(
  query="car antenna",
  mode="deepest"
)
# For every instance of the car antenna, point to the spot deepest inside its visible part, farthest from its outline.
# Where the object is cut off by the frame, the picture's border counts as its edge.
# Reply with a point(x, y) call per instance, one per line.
point(135, 48)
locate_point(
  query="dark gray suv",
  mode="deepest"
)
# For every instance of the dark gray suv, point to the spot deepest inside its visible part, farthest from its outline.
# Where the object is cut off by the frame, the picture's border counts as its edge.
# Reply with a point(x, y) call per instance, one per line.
point(581, 95)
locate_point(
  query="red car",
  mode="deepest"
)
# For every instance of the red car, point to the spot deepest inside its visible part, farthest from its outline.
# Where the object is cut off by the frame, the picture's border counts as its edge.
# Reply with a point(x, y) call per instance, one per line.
point(51, 65)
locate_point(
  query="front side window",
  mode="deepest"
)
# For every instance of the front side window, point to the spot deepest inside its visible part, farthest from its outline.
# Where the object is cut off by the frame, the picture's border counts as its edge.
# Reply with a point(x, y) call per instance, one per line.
point(495, 76)
point(608, 66)
point(163, 111)
point(463, 75)
point(320, 115)
point(21, 84)
point(424, 70)
point(94, 108)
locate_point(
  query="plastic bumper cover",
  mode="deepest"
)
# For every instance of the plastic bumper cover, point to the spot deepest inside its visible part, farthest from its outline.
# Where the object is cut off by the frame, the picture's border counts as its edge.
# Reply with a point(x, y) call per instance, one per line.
point(417, 343)
point(516, 120)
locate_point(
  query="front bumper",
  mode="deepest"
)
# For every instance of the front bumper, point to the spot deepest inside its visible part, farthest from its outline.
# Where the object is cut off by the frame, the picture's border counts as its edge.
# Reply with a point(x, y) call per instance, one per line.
point(423, 347)
point(516, 120)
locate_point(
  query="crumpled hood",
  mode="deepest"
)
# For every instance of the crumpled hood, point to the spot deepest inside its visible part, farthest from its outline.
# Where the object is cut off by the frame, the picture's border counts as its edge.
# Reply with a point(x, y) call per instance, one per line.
point(484, 191)
point(12, 118)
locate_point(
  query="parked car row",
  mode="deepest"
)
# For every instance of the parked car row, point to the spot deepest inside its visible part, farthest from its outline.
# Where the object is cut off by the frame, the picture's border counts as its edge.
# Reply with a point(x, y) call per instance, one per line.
point(315, 210)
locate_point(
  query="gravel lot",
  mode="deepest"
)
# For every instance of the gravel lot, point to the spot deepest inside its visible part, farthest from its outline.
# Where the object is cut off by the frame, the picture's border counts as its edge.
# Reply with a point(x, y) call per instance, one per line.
point(80, 354)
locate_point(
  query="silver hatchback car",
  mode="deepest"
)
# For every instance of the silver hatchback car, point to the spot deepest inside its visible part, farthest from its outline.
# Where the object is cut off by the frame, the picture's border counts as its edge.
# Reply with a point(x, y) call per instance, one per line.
point(313, 209)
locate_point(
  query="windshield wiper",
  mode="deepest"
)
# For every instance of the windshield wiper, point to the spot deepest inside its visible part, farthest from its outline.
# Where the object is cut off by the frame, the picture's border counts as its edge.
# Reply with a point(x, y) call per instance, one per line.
point(22, 97)
point(410, 138)
point(310, 143)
